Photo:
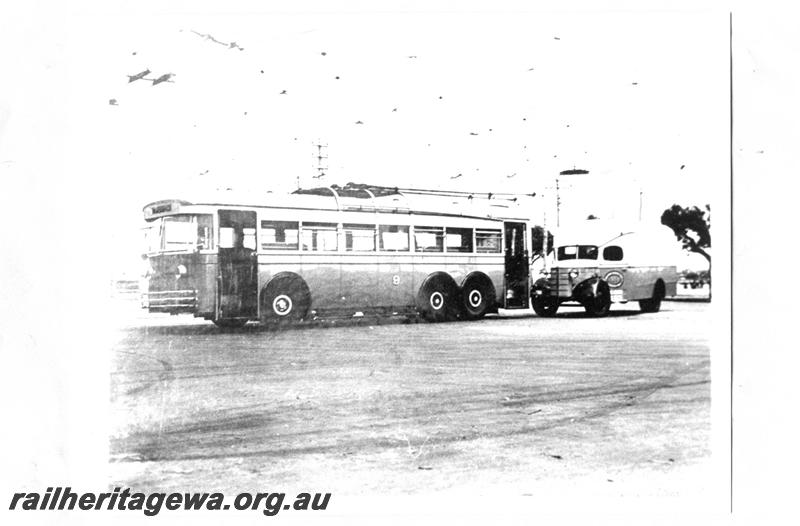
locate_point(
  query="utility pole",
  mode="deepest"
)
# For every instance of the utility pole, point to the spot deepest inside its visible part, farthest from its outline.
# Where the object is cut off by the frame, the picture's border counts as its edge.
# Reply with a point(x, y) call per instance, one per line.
point(574, 171)
point(558, 205)
point(640, 203)
point(320, 155)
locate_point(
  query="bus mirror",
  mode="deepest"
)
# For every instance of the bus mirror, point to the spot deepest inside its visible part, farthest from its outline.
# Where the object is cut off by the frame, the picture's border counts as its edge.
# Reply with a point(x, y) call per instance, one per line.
point(226, 237)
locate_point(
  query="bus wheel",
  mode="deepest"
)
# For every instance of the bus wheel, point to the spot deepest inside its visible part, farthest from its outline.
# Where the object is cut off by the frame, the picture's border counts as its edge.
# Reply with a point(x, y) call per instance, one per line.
point(598, 303)
point(437, 298)
point(237, 323)
point(285, 299)
point(545, 307)
point(653, 304)
point(477, 296)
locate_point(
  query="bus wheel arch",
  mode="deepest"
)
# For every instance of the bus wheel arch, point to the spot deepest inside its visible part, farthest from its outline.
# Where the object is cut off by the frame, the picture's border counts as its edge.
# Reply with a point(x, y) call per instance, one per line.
point(286, 297)
point(438, 297)
point(653, 304)
point(478, 296)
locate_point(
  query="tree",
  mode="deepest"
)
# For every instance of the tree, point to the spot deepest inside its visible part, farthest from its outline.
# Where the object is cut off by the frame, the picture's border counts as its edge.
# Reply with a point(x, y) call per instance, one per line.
point(538, 238)
point(692, 227)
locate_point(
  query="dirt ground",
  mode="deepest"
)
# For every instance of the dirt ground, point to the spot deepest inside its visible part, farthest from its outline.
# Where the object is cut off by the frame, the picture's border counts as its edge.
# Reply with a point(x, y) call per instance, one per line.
point(508, 404)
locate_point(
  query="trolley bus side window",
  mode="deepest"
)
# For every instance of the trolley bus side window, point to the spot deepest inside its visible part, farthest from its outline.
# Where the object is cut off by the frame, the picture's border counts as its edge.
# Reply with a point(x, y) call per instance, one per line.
point(458, 239)
point(280, 235)
point(488, 241)
point(393, 238)
point(429, 239)
point(359, 238)
point(319, 237)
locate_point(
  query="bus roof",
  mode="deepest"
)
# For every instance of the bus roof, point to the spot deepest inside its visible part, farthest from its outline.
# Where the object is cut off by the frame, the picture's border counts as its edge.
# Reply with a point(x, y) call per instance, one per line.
point(335, 198)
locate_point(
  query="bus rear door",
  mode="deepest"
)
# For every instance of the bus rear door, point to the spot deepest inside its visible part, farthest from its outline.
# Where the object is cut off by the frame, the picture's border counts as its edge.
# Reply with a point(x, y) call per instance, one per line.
point(237, 288)
point(516, 267)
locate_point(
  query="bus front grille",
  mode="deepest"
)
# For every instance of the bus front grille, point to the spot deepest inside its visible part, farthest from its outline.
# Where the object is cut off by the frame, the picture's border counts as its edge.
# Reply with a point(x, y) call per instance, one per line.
point(171, 301)
point(559, 284)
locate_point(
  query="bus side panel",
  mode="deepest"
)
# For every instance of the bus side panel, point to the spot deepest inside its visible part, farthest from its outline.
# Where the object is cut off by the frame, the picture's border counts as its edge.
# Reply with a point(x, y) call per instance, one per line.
point(359, 273)
point(322, 273)
point(396, 285)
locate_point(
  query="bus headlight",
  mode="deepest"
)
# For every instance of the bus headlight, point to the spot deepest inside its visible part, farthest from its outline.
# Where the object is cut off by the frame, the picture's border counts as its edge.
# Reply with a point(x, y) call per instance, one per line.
point(573, 274)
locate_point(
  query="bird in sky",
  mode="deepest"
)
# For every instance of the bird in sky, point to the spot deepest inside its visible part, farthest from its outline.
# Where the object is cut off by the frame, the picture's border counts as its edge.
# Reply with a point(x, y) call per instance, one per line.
point(282, 92)
point(412, 56)
point(394, 109)
point(530, 69)
point(683, 166)
point(138, 76)
point(634, 83)
point(473, 133)
point(229, 45)
point(512, 175)
point(359, 122)
point(163, 78)
point(456, 176)
point(556, 38)
point(112, 102)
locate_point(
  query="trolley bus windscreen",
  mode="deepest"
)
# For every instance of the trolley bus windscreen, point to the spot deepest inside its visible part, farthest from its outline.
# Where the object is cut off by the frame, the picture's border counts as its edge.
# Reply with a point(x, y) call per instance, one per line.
point(179, 233)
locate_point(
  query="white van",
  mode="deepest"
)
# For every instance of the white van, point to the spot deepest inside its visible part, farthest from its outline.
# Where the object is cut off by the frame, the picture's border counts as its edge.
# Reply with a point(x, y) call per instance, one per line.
point(596, 265)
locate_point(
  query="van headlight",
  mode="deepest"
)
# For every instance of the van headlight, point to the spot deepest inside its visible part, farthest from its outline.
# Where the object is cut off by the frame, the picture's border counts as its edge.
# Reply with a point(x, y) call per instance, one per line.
point(573, 273)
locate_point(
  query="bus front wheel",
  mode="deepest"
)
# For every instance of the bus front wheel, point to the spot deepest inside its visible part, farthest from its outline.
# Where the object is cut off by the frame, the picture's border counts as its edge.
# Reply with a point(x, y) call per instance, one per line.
point(437, 298)
point(545, 307)
point(285, 299)
point(597, 302)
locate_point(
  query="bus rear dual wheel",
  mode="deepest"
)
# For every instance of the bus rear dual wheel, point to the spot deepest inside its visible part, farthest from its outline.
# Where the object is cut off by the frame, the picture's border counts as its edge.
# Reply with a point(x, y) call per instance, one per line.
point(440, 299)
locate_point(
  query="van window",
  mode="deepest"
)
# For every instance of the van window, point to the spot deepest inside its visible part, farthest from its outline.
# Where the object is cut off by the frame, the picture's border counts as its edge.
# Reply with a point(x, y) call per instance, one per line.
point(577, 252)
point(612, 253)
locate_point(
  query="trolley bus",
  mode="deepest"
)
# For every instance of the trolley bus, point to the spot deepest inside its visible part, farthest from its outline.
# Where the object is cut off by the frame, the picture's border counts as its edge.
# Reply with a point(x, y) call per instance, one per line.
point(345, 250)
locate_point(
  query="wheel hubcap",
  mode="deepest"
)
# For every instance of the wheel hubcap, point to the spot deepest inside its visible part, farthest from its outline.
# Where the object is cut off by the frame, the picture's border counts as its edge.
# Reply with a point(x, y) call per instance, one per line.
point(475, 298)
point(437, 300)
point(282, 305)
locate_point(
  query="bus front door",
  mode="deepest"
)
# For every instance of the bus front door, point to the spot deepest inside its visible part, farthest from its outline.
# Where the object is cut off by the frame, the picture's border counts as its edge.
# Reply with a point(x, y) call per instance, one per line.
point(516, 269)
point(237, 287)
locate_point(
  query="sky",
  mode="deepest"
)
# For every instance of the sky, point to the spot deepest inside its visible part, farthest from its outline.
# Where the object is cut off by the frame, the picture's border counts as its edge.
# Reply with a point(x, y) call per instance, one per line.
point(480, 98)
